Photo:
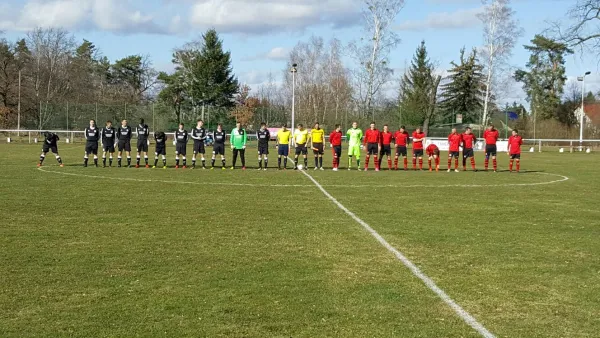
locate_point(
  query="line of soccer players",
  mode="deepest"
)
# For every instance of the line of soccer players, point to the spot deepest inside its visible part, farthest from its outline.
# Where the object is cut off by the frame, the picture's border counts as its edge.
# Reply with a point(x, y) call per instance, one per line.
point(378, 144)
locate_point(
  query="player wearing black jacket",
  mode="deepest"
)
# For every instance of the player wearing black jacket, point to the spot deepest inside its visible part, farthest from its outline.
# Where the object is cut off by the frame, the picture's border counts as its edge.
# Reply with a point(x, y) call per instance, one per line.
point(181, 138)
point(109, 135)
point(219, 137)
point(161, 148)
point(142, 132)
point(124, 144)
point(263, 136)
point(50, 144)
point(92, 135)
point(199, 135)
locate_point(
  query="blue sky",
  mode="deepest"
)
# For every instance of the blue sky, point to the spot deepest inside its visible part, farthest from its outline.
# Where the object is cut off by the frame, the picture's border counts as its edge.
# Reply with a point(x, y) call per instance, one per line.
point(259, 33)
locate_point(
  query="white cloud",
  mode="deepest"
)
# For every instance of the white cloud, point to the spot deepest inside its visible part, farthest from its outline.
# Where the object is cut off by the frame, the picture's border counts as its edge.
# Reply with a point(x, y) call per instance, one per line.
point(275, 54)
point(262, 16)
point(106, 15)
point(463, 18)
point(253, 78)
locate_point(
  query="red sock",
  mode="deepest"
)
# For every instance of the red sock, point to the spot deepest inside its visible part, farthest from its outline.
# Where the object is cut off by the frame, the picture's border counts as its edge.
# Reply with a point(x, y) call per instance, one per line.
point(335, 162)
point(429, 164)
point(421, 163)
point(396, 163)
point(376, 162)
point(487, 163)
point(405, 163)
point(389, 163)
point(456, 163)
point(437, 163)
point(518, 165)
point(449, 162)
point(495, 165)
point(510, 165)
point(367, 161)
point(414, 163)
point(473, 162)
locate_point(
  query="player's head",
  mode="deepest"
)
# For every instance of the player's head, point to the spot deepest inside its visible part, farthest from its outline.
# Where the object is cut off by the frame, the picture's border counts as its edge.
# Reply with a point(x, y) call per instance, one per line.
point(238, 125)
point(316, 125)
point(181, 126)
point(515, 132)
point(338, 127)
point(284, 127)
point(386, 128)
point(300, 126)
point(124, 123)
point(219, 127)
point(92, 123)
point(453, 130)
point(141, 122)
point(402, 129)
point(468, 130)
point(263, 125)
point(109, 123)
point(491, 127)
point(199, 123)
point(355, 125)
point(372, 125)
point(418, 129)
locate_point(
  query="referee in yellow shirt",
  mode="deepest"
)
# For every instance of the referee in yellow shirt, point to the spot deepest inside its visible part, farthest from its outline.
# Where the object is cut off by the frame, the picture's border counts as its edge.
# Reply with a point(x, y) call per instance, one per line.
point(300, 141)
point(317, 137)
point(284, 136)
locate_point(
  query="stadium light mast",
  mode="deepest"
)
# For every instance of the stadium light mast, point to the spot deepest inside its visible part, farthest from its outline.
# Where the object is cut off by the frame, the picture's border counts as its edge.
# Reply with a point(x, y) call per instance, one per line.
point(581, 118)
point(293, 70)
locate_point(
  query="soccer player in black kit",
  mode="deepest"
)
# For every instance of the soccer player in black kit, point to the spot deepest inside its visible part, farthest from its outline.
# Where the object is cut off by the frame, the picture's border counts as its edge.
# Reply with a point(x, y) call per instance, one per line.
point(108, 143)
point(181, 136)
point(142, 132)
point(263, 135)
point(199, 136)
point(219, 145)
point(92, 135)
point(124, 144)
point(161, 148)
point(50, 144)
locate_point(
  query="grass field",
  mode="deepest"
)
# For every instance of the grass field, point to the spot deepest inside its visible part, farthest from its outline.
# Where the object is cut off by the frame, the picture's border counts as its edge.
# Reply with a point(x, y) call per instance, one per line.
point(118, 252)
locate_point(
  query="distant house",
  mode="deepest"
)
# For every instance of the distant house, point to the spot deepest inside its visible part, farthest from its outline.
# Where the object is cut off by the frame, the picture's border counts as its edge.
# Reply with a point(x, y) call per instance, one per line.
point(592, 114)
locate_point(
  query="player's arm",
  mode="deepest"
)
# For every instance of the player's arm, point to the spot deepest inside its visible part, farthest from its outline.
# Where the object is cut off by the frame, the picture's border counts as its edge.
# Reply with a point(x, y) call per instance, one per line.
point(193, 134)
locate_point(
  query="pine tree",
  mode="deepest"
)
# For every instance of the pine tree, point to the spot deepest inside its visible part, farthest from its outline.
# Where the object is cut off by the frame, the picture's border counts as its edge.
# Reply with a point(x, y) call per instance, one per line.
point(464, 93)
point(418, 90)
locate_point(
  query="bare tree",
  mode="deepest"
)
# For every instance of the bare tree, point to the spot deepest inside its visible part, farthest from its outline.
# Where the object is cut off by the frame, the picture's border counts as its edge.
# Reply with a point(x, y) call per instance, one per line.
point(582, 30)
point(500, 33)
point(371, 52)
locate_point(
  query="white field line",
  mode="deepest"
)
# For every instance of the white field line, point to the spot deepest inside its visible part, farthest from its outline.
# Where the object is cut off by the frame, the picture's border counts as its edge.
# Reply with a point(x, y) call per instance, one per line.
point(562, 179)
point(464, 315)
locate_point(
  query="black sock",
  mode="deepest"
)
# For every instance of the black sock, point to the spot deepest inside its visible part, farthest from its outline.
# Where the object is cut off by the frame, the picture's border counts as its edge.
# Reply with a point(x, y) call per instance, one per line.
point(203, 163)
point(285, 162)
point(295, 161)
point(96, 162)
point(177, 162)
point(155, 161)
point(42, 159)
point(129, 161)
point(184, 162)
point(279, 162)
point(223, 162)
point(193, 163)
point(266, 162)
point(85, 161)
point(316, 162)
point(146, 160)
point(260, 163)
point(119, 161)
point(164, 162)
point(104, 161)
point(110, 161)
point(212, 163)
point(59, 160)
point(305, 162)
point(137, 161)
point(320, 162)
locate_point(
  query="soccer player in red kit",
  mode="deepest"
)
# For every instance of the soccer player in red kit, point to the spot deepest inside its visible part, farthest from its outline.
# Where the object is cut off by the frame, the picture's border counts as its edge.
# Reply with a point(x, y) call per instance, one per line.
point(401, 139)
point(371, 142)
point(468, 140)
point(418, 140)
point(433, 152)
point(335, 138)
point(454, 141)
point(385, 142)
point(491, 136)
point(514, 149)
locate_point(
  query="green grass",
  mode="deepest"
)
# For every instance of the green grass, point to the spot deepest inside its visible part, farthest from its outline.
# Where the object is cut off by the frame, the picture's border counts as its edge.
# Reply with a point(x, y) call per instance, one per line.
point(171, 253)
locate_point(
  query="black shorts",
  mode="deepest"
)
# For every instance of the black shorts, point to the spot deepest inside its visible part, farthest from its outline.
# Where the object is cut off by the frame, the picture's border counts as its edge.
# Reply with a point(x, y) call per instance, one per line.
point(142, 146)
point(337, 151)
point(401, 151)
point(385, 150)
point(318, 147)
point(515, 156)
point(180, 148)
point(301, 149)
point(91, 148)
point(160, 150)
point(490, 149)
point(372, 148)
point(263, 150)
point(124, 145)
point(199, 148)
point(455, 154)
point(108, 148)
point(283, 150)
point(218, 149)
point(468, 152)
point(417, 152)
point(47, 147)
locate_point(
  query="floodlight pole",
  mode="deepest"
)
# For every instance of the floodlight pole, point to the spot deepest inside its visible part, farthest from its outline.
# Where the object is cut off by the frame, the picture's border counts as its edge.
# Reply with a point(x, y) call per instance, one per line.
point(19, 108)
point(293, 70)
point(581, 118)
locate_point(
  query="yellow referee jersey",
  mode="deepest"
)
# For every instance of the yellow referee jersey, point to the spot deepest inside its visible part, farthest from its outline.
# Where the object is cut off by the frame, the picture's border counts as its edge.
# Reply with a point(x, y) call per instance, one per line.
point(283, 137)
point(317, 135)
point(301, 136)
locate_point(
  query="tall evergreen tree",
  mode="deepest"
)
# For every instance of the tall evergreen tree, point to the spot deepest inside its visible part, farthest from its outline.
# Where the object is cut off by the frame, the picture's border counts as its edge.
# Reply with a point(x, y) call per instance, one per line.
point(464, 91)
point(545, 80)
point(418, 90)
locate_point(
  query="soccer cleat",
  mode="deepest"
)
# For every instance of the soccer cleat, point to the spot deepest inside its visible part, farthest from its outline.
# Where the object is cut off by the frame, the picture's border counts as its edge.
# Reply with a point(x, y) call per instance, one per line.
point(322, 168)
point(455, 170)
point(495, 171)
point(61, 165)
point(335, 169)
point(85, 165)
point(222, 168)
point(183, 167)
point(212, 168)
point(165, 167)
point(147, 166)
point(430, 169)
point(448, 170)
point(376, 169)
point(243, 168)
point(265, 169)
point(232, 168)
point(316, 168)
point(349, 169)
point(359, 169)
point(153, 167)
point(366, 169)
point(259, 169)
point(137, 166)
point(176, 167)
point(39, 164)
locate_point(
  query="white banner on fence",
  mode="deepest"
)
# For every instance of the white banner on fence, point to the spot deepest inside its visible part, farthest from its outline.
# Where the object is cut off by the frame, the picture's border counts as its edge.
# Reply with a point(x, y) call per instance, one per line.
point(502, 146)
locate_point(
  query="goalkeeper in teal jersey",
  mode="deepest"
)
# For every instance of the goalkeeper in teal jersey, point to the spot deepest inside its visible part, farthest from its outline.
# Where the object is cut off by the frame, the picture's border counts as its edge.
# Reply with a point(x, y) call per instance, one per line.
point(238, 141)
point(354, 136)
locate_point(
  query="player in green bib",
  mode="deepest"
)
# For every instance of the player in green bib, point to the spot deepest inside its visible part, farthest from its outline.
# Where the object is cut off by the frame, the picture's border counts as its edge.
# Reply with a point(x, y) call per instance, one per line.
point(354, 136)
